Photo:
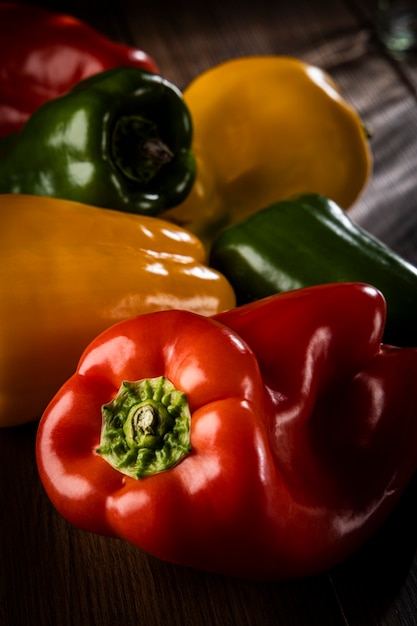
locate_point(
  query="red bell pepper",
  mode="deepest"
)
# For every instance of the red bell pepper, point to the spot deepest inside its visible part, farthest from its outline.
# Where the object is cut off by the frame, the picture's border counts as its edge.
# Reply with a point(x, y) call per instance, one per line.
point(43, 54)
point(295, 438)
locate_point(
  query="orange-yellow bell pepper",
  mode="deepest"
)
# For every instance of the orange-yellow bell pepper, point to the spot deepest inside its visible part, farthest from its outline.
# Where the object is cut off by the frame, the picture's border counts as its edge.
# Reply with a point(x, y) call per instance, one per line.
point(267, 128)
point(69, 271)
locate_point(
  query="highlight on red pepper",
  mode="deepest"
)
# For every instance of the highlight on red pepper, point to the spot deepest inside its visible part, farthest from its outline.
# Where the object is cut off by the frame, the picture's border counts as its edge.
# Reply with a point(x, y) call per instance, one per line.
point(45, 53)
point(268, 442)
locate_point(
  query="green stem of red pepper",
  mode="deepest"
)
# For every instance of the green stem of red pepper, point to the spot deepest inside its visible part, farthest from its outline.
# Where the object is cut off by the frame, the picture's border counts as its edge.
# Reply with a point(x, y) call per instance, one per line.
point(146, 427)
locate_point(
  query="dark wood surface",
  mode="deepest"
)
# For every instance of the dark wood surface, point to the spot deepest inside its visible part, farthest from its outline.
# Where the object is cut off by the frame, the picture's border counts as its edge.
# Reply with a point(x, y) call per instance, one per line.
point(54, 574)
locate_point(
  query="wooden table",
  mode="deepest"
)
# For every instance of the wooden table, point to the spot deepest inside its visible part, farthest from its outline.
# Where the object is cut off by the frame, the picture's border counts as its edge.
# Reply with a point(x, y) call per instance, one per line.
point(52, 574)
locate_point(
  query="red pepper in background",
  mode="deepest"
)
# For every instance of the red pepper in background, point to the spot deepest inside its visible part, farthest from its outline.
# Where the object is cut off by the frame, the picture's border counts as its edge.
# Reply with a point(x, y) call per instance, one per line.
point(295, 438)
point(43, 54)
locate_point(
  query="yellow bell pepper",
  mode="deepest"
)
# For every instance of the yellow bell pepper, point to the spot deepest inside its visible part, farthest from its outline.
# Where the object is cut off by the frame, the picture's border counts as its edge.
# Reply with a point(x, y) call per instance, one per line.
point(267, 128)
point(69, 271)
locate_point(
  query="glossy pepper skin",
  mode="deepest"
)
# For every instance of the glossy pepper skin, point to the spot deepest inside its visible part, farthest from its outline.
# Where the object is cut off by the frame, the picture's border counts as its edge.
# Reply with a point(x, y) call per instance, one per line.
point(44, 54)
point(302, 433)
point(309, 240)
point(68, 272)
point(266, 128)
point(119, 139)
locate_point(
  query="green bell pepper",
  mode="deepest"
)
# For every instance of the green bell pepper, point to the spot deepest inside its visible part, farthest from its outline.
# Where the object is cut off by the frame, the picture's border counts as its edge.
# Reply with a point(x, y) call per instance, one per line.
point(309, 240)
point(120, 139)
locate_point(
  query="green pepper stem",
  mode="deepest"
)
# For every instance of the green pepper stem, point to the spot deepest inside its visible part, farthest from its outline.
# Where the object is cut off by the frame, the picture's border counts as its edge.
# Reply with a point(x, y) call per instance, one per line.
point(137, 150)
point(146, 427)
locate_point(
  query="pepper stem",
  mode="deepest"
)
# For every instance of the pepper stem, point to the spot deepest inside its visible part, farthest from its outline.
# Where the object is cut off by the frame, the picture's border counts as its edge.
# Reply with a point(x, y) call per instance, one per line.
point(146, 427)
point(137, 150)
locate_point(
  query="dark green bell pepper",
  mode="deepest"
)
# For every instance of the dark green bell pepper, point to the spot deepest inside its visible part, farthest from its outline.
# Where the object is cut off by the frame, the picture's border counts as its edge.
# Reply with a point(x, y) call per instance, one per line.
point(120, 139)
point(309, 240)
